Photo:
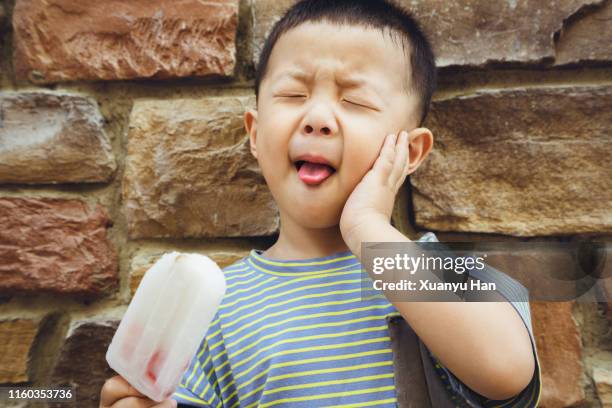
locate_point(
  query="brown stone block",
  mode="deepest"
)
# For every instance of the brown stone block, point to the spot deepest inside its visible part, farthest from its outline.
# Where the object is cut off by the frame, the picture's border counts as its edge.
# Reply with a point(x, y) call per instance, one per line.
point(16, 338)
point(82, 361)
point(522, 162)
point(52, 138)
point(189, 171)
point(560, 354)
point(477, 32)
point(53, 245)
point(64, 40)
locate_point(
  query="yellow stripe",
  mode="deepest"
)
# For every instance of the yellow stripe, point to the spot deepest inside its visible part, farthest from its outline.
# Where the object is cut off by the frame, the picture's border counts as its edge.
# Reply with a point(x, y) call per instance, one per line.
point(275, 263)
point(287, 283)
point(337, 357)
point(188, 398)
point(238, 291)
point(197, 363)
point(330, 370)
point(233, 277)
point(195, 387)
point(307, 274)
point(299, 317)
point(243, 282)
point(203, 393)
point(328, 395)
point(329, 382)
point(242, 266)
point(299, 328)
point(281, 294)
point(286, 301)
point(323, 383)
point(320, 371)
point(313, 337)
point(313, 348)
point(363, 404)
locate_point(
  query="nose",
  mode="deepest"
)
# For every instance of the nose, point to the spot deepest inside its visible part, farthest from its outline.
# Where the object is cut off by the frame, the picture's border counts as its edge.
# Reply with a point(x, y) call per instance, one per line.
point(320, 120)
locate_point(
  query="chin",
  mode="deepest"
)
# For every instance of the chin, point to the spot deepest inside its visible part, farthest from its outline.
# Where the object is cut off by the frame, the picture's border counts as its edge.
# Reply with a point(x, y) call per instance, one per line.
point(317, 219)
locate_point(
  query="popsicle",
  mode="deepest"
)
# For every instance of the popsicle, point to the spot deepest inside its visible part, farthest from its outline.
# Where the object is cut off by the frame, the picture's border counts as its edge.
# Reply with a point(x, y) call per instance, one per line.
point(165, 322)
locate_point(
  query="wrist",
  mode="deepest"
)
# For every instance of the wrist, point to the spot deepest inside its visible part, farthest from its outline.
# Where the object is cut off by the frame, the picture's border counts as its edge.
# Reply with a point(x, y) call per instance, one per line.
point(370, 229)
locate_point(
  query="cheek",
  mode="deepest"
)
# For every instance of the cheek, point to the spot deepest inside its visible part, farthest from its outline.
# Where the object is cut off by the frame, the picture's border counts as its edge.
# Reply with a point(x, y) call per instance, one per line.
point(360, 154)
point(274, 131)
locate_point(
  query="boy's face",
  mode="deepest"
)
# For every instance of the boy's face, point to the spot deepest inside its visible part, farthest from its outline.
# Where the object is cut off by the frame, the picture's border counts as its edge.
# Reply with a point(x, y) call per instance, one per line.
point(331, 91)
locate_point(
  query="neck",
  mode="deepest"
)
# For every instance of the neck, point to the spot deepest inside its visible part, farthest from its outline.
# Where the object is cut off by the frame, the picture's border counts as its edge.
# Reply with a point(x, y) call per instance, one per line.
point(298, 242)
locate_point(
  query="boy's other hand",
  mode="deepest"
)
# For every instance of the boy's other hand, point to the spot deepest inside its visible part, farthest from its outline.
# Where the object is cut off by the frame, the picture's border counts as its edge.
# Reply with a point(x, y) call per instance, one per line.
point(118, 393)
point(373, 198)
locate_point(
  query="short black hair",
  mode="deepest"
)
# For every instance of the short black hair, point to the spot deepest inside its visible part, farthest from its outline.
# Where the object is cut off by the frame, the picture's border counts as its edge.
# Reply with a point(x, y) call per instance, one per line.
point(378, 14)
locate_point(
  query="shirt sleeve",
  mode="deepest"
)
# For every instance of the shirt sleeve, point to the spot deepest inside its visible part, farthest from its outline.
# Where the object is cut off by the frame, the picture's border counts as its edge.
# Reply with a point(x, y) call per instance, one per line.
point(518, 297)
point(199, 386)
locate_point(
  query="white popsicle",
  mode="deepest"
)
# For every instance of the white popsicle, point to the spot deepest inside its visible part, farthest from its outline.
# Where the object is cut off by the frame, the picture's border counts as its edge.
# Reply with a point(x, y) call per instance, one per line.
point(165, 322)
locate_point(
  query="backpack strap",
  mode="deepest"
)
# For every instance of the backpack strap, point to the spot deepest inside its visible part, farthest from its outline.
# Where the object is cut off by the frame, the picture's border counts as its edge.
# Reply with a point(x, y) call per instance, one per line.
point(416, 382)
point(410, 383)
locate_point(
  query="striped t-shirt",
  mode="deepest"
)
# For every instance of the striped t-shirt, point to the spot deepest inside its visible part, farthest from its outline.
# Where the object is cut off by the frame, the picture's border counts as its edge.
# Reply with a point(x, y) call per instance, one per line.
point(301, 333)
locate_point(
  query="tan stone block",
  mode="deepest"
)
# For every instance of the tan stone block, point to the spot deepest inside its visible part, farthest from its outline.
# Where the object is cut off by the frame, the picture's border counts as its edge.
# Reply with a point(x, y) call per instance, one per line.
point(64, 40)
point(477, 32)
point(16, 338)
point(53, 138)
point(602, 377)
point(265, 14)
point(560, 354)
point(521, 162)
point(189, 171)
point(54, 245)
point(586, 38)
point(143, 261)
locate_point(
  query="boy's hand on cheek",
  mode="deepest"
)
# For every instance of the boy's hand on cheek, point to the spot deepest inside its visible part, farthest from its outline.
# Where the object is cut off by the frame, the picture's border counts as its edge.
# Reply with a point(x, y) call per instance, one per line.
point(371, 203)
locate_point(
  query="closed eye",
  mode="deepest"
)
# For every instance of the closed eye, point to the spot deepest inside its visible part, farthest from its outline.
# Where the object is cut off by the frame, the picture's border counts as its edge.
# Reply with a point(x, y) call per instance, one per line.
point(359, 104)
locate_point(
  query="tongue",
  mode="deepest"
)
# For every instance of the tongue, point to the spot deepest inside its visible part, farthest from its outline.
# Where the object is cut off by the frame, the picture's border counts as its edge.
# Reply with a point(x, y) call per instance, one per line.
point(314, 173)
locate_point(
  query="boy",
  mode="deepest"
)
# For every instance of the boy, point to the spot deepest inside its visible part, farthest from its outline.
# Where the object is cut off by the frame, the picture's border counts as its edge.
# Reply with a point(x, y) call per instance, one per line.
point(336, 84)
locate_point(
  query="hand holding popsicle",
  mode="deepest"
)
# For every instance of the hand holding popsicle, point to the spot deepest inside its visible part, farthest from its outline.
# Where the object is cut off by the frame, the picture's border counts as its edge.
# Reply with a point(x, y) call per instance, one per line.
point(118, 393)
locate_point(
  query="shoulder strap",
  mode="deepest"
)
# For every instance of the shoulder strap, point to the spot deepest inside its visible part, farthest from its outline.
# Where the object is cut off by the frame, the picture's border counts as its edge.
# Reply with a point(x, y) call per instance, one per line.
point(416, 381)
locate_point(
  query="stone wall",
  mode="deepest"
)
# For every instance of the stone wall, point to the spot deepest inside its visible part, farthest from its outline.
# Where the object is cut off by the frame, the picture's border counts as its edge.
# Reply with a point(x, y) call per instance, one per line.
point(121, 138)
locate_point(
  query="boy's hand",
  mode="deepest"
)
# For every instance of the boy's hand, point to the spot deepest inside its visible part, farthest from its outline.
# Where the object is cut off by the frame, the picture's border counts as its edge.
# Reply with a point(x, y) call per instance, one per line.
point(372, 200)
point(118, 393)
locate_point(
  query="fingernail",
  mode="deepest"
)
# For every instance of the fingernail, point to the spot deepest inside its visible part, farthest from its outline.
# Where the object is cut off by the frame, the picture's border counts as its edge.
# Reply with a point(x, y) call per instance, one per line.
point(174, 403)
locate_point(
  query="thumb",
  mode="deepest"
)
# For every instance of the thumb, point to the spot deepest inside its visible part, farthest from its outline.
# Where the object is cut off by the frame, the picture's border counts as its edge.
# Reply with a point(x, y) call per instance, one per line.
point(169, 403)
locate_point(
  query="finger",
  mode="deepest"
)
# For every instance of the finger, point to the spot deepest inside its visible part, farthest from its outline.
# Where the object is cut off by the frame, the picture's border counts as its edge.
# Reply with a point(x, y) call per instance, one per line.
point(384, 162)
point(401, 157)
point(116, 388)
point(169, 403)
point(135, 402)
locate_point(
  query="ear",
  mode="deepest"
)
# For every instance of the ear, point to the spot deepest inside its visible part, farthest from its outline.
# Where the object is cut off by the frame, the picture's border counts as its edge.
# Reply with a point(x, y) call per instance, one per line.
point(420, 144)
point(250, 124)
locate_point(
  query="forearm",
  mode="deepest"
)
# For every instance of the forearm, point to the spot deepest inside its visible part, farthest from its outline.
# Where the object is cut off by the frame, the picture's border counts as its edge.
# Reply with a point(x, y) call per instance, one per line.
point(485, 344)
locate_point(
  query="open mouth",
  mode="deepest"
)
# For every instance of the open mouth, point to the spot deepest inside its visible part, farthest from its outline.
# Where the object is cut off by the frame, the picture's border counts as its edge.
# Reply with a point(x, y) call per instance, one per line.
point(298, 165)
point(313, 173)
